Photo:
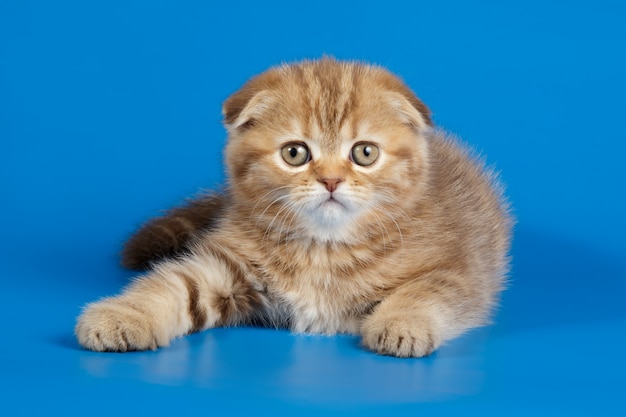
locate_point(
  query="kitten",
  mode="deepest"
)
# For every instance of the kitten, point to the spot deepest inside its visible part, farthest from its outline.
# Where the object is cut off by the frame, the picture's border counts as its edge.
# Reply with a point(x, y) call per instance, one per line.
point(346, 212)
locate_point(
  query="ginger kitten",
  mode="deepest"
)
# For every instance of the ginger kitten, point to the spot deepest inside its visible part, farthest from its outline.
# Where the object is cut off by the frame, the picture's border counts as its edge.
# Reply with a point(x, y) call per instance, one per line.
point(345, 212)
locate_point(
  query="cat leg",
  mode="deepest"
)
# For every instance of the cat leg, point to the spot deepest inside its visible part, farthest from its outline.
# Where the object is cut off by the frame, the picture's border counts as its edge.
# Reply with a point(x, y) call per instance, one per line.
point(420, 315)
point(169, 235)
point(175, 299)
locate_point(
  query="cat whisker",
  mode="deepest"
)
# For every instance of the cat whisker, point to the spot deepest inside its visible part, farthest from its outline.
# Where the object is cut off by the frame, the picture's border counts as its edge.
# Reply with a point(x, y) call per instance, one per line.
point(260, 216)
point(292, 215)
point(262, 198)
point(384, 232)
point(287, 206)
point(294, 212)
point(302, 198)
point(391, 217)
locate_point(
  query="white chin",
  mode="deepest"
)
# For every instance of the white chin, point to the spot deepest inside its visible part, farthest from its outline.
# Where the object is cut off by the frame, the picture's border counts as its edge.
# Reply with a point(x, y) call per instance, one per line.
point(331, 222)
point(332, 213)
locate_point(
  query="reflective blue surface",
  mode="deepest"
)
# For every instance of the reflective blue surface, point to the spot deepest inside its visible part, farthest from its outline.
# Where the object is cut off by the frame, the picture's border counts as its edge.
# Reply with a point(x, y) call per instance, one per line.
point(110, 112)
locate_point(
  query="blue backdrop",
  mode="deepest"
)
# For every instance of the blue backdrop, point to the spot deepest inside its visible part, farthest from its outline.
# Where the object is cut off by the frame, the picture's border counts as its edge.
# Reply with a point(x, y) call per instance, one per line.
point(110, 112)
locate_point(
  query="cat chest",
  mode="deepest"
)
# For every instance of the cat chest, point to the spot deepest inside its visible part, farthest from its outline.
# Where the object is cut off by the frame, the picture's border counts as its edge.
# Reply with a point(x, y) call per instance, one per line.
point(321, 300)
point(321, 288)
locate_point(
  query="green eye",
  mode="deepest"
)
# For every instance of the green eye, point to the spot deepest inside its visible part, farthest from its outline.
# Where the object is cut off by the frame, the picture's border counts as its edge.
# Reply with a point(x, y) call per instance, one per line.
point(295, 154)
point(364, 154)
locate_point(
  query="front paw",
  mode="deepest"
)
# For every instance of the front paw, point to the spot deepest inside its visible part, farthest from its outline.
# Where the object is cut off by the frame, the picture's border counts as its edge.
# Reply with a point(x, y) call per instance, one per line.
point(112, 325)
point(400, 336)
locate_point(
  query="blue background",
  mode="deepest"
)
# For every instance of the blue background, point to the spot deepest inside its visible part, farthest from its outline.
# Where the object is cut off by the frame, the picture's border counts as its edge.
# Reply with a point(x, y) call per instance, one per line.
point(110, 112)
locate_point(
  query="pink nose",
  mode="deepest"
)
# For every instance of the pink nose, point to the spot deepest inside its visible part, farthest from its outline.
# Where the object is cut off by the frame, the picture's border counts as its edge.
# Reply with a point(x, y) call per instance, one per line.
point(331, 183)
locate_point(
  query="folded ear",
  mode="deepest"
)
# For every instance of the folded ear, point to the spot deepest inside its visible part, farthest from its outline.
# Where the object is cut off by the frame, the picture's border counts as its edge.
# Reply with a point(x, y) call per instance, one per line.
point(411, 109)
point(242, 109)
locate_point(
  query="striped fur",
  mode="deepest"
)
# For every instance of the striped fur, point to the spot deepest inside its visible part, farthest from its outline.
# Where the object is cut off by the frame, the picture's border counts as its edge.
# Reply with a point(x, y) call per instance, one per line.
point(410, 251)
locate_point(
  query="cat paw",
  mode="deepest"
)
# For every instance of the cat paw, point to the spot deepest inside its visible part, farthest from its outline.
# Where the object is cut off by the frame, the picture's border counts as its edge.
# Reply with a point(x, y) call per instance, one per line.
point(111, 325)
point(401, 337)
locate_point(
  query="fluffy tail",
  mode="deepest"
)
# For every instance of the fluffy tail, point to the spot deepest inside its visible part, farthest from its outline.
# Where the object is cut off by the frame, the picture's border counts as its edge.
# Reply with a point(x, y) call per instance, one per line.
point(170, 235)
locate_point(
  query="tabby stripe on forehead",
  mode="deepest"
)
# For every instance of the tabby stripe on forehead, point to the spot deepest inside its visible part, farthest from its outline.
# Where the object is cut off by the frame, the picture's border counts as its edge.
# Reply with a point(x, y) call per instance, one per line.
point(197, 313)
point(356, 80)
point(303, 83)
point(347, 108)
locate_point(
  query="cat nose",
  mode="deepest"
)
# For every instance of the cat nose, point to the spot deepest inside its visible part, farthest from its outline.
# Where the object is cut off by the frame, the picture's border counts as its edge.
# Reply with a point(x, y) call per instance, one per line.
point(331, 183)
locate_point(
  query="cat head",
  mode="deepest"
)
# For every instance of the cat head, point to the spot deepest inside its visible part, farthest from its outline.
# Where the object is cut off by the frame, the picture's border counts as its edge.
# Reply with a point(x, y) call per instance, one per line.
point(326, 150)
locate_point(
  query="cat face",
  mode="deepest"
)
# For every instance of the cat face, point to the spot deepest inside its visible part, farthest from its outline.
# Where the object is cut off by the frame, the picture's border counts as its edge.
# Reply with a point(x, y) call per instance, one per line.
point(326, 150)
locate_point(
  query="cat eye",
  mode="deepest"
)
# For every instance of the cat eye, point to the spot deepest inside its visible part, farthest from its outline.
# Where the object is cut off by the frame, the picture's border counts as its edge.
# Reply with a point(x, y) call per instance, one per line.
point(296, 154)
point(364, 154)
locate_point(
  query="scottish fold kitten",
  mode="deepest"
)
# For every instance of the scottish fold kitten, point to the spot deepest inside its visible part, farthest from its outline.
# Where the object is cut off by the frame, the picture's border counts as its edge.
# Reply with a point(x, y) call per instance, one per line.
point(345, 212)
